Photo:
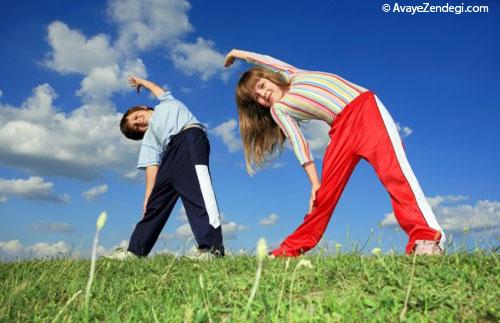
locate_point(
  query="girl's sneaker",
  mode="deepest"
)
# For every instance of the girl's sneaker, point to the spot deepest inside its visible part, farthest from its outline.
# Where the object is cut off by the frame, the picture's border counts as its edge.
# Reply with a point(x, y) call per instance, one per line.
point(428, 247)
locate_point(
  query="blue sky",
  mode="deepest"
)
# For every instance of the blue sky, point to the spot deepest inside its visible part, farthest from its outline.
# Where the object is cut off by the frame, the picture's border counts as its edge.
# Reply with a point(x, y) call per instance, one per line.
point(63, 90)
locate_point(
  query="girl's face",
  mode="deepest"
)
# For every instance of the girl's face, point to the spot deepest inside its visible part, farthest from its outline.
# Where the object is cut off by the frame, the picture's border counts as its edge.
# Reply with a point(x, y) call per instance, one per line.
point(139, 120)
point(266, 93)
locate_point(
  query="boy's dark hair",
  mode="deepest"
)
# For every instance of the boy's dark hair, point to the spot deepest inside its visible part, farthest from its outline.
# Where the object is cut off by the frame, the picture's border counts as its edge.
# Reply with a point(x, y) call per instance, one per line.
point(125, 127)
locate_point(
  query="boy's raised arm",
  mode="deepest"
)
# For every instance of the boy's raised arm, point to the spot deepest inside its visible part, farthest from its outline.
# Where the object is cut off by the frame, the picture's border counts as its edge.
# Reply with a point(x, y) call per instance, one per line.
point(138, 83)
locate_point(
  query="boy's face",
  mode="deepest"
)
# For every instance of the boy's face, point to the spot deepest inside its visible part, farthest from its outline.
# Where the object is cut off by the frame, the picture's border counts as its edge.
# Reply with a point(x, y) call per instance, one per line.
point(139, 120)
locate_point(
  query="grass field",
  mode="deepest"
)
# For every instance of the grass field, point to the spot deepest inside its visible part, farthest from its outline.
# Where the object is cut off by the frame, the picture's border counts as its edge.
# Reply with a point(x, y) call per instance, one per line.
point(348, 288)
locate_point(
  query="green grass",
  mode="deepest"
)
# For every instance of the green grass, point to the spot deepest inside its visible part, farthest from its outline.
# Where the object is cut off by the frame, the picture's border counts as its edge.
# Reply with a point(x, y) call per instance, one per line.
point(347, 288)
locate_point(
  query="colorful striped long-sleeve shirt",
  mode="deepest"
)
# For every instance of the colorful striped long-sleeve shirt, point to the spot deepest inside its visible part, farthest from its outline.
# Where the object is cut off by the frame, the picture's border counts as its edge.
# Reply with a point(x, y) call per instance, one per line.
point(312, 95)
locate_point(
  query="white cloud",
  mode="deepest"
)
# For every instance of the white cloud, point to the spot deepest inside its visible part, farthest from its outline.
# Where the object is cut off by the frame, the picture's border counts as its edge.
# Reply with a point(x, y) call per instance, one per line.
point(45, 249)
point(389, 220)
point(38, 138)
point(404, 131)
point(438, 200)
point(104, 67)
point(166, 236)
point(183, 232)
point(142, 26)
point(10, 248)
point(33, 188)
point(182, 215)
point(1, 93)
point(95, 192)
point(133, 175)
point(102, 82)
point(199, 58)
point(229, 134)
point(14, 249)
point(269, 221)
point(453, 216)
point(229, 231)
point(72, 52)
point(58, 227)
point(102, 251)
point(146, 24)
point(316, 134)
point(276, 165)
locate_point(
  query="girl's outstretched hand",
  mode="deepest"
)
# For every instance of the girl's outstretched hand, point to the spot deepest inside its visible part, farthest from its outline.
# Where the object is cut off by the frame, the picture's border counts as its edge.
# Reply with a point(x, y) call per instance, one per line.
point(135, 82)
point(230, 57)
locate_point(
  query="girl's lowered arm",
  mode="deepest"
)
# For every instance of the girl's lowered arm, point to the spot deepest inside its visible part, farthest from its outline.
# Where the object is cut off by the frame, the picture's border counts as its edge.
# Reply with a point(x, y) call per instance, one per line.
point(312, 174)
point(138, 83)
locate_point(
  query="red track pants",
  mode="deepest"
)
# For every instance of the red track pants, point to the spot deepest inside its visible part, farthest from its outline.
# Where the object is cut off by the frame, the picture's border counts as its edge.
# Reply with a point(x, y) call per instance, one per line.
point(365, 129)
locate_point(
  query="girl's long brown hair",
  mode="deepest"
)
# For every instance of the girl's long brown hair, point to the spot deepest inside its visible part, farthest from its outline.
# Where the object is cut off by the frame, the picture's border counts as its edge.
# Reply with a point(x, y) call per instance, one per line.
point(261, 136)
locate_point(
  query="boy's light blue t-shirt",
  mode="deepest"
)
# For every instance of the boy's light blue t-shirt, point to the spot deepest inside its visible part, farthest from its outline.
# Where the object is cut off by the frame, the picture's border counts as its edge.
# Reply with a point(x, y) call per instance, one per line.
point(167, 120)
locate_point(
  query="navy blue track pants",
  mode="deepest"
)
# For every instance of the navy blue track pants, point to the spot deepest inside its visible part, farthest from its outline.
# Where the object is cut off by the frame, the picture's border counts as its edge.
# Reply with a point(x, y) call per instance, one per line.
point(183, 173)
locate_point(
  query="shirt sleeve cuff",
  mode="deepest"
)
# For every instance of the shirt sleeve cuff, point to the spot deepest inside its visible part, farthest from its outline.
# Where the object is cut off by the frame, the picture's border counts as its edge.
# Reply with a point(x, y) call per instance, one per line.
point(143, 166)
point(305, 161)
point(166, 95)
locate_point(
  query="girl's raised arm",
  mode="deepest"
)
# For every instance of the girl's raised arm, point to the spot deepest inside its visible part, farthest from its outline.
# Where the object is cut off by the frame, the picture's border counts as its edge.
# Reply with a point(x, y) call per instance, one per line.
point(265, 61)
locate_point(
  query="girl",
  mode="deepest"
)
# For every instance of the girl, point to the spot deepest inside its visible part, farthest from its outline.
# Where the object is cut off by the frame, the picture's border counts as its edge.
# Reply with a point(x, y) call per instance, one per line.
point(273, 98)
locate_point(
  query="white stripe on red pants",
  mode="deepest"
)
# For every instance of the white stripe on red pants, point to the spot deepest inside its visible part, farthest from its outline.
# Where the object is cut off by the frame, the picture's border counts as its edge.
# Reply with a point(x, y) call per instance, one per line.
point(365, 129)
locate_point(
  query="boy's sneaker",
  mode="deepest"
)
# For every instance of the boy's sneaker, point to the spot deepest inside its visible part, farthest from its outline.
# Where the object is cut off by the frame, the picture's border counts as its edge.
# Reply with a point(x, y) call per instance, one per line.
point(198, 254)
point(121, 254)
point(428, 247)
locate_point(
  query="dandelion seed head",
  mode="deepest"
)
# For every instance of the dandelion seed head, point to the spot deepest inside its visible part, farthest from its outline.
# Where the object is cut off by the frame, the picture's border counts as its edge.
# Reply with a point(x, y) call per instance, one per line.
point(376, 251)
point(261, 249)
point(101, 220)
point(304, 263)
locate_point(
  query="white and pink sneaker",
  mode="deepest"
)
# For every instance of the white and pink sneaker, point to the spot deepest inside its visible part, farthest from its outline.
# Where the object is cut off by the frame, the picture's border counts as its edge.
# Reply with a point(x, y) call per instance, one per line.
point(428, 248)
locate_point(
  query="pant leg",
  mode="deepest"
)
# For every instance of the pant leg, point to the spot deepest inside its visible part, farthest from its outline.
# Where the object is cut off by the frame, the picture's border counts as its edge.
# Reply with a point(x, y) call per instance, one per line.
point(192, 181)
point(338, 164)
point(159, 207)
point(382, 148)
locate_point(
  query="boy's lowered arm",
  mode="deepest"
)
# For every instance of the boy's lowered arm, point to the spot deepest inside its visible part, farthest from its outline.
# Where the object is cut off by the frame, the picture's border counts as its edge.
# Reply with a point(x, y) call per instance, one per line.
point(138, 83)
point(151, 172)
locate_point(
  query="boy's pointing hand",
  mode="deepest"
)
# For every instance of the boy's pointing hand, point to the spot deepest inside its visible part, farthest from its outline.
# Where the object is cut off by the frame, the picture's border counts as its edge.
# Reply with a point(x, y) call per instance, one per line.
point(135, 82)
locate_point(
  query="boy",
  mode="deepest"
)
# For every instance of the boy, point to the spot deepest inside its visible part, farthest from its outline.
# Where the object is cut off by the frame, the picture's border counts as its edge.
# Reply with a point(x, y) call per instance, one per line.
point(175, 154)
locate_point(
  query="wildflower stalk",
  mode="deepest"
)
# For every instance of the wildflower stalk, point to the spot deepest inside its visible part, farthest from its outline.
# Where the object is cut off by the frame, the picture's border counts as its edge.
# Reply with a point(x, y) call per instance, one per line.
point(101, 220)
point(261, 254)
point(283, 285)
point(66, 305)
point(200, 279)
point(302, 263)
point(405, 307)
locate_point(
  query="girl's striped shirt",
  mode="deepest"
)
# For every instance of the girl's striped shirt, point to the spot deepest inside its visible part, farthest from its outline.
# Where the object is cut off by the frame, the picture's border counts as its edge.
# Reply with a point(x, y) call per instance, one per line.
point(312, 95)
